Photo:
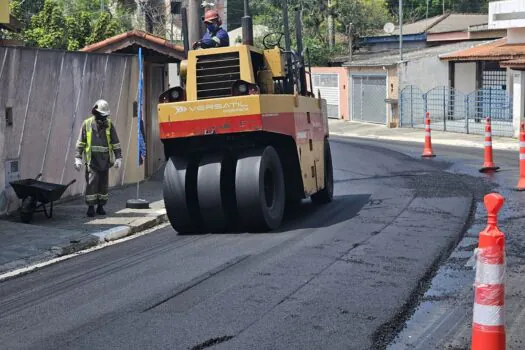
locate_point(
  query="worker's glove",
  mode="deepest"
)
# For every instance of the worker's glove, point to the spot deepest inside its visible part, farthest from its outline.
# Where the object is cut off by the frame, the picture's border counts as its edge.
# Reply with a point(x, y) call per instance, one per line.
point(118, 163)
point(78, 164)
point(196, 45)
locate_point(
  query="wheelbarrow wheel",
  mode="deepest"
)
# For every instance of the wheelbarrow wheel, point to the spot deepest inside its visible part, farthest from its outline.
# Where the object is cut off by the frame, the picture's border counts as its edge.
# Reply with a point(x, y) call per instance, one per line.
point(26, 217)
point(27, 209)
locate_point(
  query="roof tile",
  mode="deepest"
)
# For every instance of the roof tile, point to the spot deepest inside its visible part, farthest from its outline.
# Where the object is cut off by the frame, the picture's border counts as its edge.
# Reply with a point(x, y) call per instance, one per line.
point(134, 33)
point(497, 50)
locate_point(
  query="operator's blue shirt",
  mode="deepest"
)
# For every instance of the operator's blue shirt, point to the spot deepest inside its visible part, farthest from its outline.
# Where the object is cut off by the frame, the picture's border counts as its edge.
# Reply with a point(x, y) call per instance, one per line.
point(218, 39)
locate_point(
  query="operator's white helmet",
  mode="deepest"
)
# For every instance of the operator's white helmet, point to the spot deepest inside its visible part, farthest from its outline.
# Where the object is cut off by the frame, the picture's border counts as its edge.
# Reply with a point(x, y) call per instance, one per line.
point(102, 107)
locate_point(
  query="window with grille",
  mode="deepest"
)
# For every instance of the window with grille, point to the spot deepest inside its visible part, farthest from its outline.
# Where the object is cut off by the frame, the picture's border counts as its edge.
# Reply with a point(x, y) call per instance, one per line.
point(494, 77)
point(325, 80)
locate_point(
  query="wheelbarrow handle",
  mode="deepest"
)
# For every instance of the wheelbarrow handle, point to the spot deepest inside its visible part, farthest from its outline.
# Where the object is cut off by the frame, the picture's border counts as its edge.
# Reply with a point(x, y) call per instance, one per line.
point(38, 176)
point(72, 182)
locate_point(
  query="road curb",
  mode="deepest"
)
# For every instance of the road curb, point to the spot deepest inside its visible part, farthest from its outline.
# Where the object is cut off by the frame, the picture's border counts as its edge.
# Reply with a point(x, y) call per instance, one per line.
point(435, 141)
point(137, 226)
point(92, 240)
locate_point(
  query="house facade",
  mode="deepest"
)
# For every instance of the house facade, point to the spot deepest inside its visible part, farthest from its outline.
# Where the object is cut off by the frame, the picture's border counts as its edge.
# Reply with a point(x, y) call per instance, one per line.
point(497, 68)
point(372, 79)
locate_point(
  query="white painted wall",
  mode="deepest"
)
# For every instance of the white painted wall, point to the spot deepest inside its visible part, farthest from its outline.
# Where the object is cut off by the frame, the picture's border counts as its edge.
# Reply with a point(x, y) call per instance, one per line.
point(425, 73)
point(173, 75)
point(465, 77)
point(47, 119)
point(499, 14)
point(518, 78)
point(516, 35)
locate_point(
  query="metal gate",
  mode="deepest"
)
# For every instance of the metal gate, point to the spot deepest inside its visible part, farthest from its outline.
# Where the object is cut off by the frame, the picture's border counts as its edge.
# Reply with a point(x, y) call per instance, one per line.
point(451, 110)
point(368, 98)
point(328, 84)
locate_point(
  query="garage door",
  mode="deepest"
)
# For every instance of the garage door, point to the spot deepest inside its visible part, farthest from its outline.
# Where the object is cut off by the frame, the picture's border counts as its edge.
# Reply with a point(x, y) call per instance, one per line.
point(368, 98)
point(328, 84)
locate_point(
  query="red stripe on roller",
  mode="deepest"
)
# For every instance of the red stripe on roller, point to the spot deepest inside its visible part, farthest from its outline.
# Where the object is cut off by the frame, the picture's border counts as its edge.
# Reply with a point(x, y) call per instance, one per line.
point(493, 295)
point(227, 125)
point(282, 123)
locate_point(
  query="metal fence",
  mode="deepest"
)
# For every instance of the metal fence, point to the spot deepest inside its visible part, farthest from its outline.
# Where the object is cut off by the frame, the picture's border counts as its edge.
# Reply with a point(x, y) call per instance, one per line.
point(452, 110)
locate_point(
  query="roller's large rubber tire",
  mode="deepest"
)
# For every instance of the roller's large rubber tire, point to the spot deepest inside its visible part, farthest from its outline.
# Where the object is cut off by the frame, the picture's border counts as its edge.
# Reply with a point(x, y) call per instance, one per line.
point(216, 191)
point(327, 193)
point(259, 189)
point(180, 195)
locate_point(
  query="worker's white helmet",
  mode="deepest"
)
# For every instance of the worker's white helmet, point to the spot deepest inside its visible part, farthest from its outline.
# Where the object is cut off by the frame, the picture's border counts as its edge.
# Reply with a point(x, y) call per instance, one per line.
point(102, 107)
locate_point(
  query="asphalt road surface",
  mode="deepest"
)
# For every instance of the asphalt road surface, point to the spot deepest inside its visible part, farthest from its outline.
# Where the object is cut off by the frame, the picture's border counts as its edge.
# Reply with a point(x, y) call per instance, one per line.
point(342, 276)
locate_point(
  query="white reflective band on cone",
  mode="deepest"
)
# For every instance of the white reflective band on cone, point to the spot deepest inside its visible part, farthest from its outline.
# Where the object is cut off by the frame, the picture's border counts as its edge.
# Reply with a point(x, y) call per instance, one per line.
point(522, 144)
point(427, 133)
point(488, 134)
point(486, 315)
point(522, 156)
point(488, 143)
point(489, 273)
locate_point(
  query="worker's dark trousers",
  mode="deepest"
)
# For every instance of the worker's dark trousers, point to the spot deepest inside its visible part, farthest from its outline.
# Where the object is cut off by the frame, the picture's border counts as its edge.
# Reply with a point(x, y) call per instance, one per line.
point(97, 187)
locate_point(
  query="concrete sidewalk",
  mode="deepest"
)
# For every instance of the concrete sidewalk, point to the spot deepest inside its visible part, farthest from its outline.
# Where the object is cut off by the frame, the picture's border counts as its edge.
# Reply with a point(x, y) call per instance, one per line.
point(70, 230)
point(381, 132)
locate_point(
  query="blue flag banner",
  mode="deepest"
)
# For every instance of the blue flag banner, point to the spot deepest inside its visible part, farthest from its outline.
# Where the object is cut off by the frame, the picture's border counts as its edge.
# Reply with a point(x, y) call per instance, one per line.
point(140, 127)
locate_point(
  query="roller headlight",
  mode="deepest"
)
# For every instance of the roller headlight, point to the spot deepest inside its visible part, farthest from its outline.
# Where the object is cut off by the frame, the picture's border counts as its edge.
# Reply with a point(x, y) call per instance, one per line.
point(241, 87)
point(175, 94)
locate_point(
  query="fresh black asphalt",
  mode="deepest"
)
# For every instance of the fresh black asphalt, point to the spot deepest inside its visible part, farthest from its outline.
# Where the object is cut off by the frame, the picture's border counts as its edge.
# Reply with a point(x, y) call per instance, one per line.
point(340, 276)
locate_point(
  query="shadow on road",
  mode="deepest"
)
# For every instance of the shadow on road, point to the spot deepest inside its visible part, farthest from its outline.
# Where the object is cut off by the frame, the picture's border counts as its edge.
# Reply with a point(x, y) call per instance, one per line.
point(310, 215)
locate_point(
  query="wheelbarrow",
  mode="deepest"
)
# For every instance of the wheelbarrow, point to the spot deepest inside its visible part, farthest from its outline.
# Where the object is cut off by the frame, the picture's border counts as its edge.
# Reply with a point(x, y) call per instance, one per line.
point(35, 195)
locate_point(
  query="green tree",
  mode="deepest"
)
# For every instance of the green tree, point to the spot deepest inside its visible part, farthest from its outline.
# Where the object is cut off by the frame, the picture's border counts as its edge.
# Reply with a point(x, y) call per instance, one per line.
point(70, 24)
point(364, 15)
point(418, 8)
point(78, 30)
point(24, 10)
point(104, 27)
point(46, 29)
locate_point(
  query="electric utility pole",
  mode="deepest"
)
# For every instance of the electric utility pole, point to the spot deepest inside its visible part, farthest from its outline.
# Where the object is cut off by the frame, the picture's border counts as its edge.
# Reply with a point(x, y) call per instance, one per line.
point(331, 32)
point(401, 30)
point(193, 21)
point(350, 41)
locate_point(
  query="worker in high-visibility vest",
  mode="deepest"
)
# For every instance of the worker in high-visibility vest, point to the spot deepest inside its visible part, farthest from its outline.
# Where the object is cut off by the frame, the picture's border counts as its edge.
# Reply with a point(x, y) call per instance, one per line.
point(99, 144)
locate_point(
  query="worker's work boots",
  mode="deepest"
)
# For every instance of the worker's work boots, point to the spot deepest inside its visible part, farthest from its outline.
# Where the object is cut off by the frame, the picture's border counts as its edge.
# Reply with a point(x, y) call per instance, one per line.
point(91, 211)
point(100, 210)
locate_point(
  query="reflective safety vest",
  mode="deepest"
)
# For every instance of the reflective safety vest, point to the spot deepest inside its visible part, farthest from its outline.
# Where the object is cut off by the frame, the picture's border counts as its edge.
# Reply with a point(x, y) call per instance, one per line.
point(88, 124)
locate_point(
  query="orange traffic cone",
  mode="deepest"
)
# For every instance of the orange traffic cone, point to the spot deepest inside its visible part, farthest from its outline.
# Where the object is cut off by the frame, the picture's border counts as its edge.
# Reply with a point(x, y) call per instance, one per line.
point(427, 152)
point(488, 320)
point(521, 181)
point(488, 164)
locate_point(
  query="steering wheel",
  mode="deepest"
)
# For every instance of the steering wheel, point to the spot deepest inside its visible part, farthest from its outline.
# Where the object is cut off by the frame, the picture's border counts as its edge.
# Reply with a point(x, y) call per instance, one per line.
point(271, 44)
